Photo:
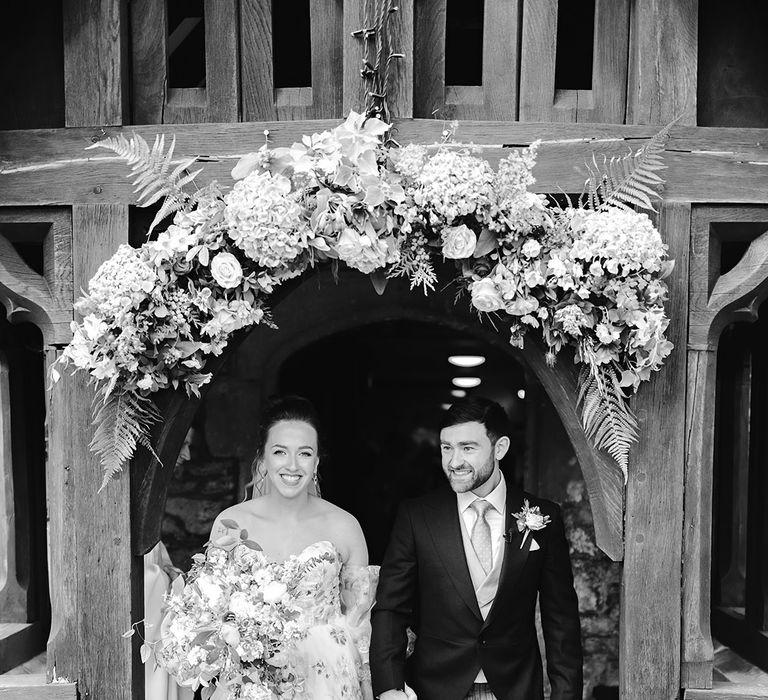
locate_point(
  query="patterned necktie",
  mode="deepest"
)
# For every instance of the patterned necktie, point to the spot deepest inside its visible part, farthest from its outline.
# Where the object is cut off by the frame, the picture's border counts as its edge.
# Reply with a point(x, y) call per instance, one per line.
point(481, 534)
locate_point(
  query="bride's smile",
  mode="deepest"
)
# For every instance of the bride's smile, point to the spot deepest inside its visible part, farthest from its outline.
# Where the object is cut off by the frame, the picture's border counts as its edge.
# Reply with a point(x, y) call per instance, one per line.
point(291, 457)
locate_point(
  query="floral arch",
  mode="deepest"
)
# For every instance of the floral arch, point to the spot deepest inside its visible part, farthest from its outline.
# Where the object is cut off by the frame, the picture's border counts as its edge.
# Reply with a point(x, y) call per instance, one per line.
point(555, 275)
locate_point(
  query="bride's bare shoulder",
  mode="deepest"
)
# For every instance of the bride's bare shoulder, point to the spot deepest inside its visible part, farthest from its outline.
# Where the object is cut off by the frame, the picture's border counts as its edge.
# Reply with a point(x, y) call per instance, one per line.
point(243, 514)
point(346, 532)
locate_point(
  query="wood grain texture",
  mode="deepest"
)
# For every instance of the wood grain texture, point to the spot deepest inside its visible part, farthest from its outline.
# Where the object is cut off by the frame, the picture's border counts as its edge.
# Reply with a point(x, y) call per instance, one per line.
point(256, 70)
point(428, 59)
point(400, 87)
point(704, 164)
point(222, 60)
point(95, 62)
point(149, 60)
point(649, 629)
point(61, 480)
point(326, 25)
point(541, 99)
point(45, 300)
point(34, 687)
point(663, 56)
point(609, 72)
point(353, 92)
point(501, 23)
point(697, 652)
point(107, 592)
point(537, 63)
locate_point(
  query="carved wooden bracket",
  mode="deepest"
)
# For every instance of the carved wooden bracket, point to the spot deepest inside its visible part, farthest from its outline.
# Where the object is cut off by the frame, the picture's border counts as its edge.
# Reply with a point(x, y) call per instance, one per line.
point(43, 299)
point(715, 301)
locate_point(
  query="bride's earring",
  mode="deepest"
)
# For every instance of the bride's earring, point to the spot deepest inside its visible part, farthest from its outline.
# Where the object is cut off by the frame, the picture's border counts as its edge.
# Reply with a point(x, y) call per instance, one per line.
point(316, 482)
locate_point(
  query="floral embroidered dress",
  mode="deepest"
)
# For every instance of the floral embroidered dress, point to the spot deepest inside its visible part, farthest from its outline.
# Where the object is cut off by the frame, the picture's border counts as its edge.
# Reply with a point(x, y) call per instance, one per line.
point(332, 658)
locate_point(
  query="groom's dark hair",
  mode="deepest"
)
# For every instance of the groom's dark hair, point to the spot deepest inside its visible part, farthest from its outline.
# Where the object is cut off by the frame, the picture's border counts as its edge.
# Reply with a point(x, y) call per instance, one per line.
point(480, 410)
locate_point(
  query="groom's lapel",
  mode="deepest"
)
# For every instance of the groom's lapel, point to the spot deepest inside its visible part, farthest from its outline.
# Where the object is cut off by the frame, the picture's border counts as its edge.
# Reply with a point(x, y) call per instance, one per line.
point(445, 530)
point(514, 557)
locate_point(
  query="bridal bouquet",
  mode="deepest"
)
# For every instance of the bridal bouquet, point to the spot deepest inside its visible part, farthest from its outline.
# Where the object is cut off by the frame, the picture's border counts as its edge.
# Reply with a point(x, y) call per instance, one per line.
point(586, 275)
point(231, 628)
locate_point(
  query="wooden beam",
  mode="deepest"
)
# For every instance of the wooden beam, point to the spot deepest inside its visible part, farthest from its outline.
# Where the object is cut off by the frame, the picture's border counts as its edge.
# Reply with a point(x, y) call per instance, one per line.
point(649, 630)
point(35, 687)
point(663, 61)
point(711, 165)
point(95, 66)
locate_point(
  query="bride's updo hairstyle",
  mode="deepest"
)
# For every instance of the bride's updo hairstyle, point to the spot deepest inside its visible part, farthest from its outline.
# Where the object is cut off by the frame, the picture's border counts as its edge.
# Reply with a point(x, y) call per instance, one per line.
point(280, 408)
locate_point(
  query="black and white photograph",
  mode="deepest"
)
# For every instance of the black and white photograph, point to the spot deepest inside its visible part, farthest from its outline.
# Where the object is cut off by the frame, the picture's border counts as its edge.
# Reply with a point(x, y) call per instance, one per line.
point(384, 350)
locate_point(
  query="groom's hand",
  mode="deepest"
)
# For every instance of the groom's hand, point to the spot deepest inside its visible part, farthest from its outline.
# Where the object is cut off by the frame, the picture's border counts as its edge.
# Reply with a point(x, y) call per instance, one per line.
point(394, 695)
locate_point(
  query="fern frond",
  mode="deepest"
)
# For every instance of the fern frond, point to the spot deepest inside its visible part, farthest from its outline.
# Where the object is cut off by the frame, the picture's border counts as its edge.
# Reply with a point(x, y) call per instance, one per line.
point(626, 181)
point(122, 420)
point(150, 170)
point(605, 414)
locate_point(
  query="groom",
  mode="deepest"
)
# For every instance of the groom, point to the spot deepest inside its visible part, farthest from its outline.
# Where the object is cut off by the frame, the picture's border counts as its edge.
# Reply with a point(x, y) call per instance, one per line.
point(464, 568)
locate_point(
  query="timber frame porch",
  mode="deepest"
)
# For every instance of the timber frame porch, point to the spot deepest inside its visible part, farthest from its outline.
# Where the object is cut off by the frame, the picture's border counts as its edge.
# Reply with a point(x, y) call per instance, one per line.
point(659, 524)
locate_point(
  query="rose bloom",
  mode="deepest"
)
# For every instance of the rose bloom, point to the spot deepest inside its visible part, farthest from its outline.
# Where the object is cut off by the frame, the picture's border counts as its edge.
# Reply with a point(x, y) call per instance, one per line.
point(349, 244)
point(458, 242)
point(531, 248)
point(226, 270)
point(485, 296)
point(534, 521)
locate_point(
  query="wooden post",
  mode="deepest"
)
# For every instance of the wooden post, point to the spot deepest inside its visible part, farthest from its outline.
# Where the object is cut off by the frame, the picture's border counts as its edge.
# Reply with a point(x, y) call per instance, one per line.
point(649, 655)
point(663, 60)
point(95, 68)
point(96, 587)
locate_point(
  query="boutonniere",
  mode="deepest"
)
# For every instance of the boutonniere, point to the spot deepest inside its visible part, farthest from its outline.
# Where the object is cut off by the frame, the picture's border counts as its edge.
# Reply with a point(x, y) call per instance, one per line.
point(528, 520)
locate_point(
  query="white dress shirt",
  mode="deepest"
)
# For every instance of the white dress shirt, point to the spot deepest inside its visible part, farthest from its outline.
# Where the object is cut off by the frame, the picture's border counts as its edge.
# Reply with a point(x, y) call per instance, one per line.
point(495, 519)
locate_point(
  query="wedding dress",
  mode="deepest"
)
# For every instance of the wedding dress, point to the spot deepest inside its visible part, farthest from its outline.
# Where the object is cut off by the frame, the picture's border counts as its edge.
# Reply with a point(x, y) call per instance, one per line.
point(336, 600)
point(158, 685)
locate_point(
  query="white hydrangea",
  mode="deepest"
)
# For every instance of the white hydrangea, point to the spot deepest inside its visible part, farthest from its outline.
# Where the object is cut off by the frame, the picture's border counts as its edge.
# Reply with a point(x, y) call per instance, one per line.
point(626, 240)
point(367, 253)
point(265, 220)
point(120, 284)
point(454, 184)
point(409, 160)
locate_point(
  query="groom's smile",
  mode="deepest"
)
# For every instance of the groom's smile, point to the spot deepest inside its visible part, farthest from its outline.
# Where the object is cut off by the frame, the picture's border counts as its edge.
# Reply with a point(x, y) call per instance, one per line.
point(469, 457)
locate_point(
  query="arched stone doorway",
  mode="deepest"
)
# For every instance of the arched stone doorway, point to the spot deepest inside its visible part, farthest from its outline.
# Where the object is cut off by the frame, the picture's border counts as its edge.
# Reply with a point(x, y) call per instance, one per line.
point(318, 306)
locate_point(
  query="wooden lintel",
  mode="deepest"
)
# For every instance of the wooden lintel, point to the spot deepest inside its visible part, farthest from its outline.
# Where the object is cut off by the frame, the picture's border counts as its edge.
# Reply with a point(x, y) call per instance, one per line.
point(34, 687)
point(712, 165)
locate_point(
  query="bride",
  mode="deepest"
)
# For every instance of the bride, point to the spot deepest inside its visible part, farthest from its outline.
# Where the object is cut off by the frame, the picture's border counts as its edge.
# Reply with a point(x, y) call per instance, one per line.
point(289, 520)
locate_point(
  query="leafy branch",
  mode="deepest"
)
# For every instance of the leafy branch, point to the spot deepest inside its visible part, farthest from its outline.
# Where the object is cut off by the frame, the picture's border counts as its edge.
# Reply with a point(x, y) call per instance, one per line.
point(605, 413)
point(629, 180)
point(150, 167)
point(122, 420)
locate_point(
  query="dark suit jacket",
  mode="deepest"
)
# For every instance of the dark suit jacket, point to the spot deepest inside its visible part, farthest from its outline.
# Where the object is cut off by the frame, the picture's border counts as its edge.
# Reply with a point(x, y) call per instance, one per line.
point(425, 583)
